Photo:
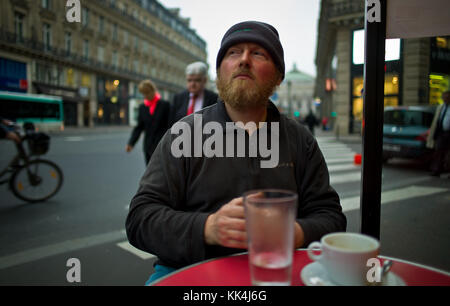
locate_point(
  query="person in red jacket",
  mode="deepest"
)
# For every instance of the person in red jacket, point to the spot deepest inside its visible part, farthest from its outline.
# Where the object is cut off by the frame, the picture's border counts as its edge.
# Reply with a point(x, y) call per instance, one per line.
point(153, 120)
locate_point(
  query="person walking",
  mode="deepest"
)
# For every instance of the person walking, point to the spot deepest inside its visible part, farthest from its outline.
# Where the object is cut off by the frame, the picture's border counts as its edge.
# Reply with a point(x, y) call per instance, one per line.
point(153, 120)
point(196, 96)
point(439, 136)
point(311, 121)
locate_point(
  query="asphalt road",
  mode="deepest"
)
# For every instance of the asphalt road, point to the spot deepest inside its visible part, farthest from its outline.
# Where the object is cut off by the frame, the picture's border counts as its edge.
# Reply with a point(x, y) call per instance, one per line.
point(85, 220)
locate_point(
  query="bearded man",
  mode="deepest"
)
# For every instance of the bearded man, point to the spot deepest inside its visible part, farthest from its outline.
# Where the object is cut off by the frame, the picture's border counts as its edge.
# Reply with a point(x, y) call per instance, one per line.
point(188, 209)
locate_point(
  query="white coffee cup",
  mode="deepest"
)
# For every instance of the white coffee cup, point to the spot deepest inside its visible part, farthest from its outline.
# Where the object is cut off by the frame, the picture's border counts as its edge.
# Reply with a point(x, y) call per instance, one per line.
point(344, 256)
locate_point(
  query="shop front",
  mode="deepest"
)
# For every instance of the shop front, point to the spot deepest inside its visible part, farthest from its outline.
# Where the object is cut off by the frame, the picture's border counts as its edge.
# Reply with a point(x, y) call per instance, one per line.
point(439, 77)
point(71, 101)
point(392, 80)
point(113, 99)
point(13, 75)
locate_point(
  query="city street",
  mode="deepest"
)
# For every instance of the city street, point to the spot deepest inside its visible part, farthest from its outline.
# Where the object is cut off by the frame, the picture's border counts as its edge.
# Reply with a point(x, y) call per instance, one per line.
point(86, 219)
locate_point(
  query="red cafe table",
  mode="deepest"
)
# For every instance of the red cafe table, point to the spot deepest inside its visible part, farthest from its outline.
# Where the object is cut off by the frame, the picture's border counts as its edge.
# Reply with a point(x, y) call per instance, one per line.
point(234, 271)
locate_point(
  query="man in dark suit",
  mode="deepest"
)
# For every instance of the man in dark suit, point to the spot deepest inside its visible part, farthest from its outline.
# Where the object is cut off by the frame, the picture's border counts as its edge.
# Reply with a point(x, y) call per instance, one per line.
point(196, 96)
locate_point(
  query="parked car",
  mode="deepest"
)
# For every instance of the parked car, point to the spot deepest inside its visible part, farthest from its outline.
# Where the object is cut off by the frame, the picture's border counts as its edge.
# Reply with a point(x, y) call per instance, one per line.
point(405, 131)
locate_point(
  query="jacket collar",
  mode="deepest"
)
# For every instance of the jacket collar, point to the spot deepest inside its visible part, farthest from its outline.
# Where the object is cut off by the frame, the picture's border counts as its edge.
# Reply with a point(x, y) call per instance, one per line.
point(219, 114)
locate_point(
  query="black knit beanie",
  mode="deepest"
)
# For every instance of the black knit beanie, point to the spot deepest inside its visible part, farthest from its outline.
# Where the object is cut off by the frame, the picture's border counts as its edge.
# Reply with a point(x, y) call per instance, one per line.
point(260, 33)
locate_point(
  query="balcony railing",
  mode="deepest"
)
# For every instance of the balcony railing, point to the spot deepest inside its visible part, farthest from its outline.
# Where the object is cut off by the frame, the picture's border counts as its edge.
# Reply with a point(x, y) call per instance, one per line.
point(146, 28)
point(38, 49)
point(342, 9)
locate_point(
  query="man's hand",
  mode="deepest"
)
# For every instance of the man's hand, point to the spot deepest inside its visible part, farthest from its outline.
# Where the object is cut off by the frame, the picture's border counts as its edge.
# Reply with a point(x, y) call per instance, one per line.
point(226, 227)
point(13, 136)
point(128, 148)
point(299, 239)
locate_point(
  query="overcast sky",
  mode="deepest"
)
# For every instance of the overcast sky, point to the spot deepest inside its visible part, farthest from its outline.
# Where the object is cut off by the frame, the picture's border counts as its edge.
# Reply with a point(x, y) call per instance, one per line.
point(295, 20)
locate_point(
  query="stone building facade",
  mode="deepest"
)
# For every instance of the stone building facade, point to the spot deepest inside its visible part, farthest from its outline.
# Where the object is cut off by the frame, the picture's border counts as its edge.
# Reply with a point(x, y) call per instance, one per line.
point(96, 64)
point(416, 74)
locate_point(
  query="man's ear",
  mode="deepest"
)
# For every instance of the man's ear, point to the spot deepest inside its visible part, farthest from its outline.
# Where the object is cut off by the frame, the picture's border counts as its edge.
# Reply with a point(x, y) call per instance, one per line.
point(280, 80)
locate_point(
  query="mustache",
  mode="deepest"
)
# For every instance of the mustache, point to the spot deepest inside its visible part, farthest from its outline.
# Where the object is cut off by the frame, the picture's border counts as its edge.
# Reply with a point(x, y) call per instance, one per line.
point(243, 71)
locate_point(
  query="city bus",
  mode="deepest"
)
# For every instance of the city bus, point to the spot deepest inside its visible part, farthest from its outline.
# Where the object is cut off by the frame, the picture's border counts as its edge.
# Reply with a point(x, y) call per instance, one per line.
point(46, 112)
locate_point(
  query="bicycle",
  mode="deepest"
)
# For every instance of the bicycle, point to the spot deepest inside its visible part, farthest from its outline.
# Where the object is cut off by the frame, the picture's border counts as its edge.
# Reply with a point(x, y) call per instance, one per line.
point(31, 178)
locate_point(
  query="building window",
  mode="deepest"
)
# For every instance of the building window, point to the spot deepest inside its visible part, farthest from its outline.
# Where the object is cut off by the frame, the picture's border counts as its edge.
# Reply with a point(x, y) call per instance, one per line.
point(125, 62)
point(101, 54)
point(85, 16)
point(47, 36)
point(101, 24)
point(136, 42)
point(145, 47)
point(145, 69)
point(70, 78)
point(43, 73)
point(19, 26)
point(136, 66)
point(125, 37)
point(114, 34)
point(86, 49)
point(114, 59)
point(68, 42)
point(46, 4)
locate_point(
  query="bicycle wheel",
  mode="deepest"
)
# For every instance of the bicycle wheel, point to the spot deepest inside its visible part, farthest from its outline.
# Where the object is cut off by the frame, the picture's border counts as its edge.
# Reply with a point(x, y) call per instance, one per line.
point(37, 181)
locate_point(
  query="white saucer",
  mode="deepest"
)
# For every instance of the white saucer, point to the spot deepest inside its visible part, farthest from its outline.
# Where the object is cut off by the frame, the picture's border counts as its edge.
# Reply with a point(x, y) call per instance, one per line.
point(315, 275)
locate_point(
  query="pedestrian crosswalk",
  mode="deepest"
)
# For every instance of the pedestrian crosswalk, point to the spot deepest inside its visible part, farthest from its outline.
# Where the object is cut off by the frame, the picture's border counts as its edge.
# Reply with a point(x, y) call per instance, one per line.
point(339, 158)
point(342, 169)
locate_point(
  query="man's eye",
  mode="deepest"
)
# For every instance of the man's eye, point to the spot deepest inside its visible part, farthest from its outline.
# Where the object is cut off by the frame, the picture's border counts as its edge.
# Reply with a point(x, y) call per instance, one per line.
point(259, 53)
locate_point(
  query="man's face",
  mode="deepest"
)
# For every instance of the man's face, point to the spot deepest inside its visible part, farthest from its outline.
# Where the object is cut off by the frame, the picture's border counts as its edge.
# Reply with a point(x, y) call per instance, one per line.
point(247, 76)
point(195, 83)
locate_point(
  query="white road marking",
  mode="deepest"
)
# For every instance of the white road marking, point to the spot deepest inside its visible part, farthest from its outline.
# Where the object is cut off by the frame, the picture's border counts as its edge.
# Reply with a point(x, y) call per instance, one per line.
point(345, 178)
point(393, 196)
point(326, 139)
point(339, 160)
point(59, 248)
point(334, 146)
point(128, 247)
point(341, 167)
point(74, 138)
point(90, 137)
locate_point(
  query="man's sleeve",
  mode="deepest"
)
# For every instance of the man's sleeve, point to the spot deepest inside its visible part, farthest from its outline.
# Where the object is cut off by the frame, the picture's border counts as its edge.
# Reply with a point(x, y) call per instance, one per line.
point(158, 221)
point(320, 211)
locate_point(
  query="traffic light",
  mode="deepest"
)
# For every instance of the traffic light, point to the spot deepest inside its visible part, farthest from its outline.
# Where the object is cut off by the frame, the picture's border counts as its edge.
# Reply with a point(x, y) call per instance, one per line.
point(297, 114)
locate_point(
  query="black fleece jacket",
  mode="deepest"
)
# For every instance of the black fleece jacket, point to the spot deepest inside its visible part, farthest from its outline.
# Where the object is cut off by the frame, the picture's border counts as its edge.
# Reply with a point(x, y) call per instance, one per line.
point(176, 195)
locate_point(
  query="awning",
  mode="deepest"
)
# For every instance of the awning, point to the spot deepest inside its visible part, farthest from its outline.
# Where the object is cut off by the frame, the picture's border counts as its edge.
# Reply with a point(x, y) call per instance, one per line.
point(66, 93)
